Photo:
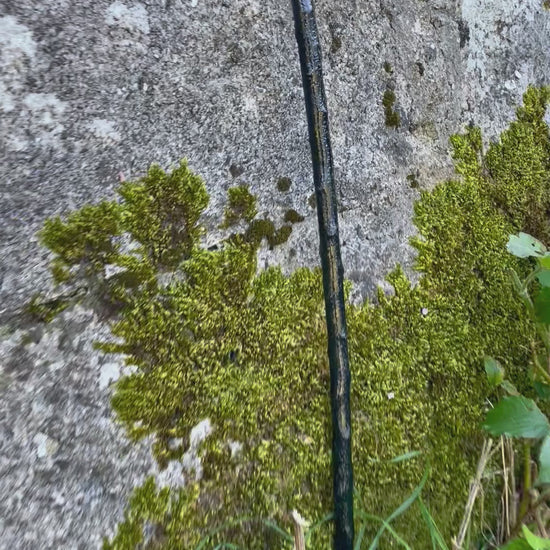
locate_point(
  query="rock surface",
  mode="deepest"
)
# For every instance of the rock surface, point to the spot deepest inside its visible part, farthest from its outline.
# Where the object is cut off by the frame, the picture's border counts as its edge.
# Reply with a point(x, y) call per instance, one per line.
point(91, 90)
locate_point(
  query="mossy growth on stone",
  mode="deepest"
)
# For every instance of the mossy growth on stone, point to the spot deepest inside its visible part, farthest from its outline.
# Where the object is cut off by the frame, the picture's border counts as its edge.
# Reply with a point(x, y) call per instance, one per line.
point(412, 178)
point(161, 212)
point(283, 184)
point(157, 217)
point(241, 206)
point(43, 309)
point(291, 216)
point(248, 351)
point(263, 228)
point(86, 238)
point(392, 117)
point(387, 67)
point(163, 511)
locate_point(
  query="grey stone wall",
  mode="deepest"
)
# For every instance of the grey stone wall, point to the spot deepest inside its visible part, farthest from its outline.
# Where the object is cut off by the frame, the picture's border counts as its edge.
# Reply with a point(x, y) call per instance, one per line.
point(92, 90)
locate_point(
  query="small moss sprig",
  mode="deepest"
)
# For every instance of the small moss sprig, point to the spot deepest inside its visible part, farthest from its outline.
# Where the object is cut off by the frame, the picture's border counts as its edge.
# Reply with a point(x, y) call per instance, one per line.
point(392, 117)
point(241, 206)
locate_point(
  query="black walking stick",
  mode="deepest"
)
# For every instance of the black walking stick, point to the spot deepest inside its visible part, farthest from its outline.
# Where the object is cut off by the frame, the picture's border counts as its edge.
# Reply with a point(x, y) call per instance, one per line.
point(333, 271)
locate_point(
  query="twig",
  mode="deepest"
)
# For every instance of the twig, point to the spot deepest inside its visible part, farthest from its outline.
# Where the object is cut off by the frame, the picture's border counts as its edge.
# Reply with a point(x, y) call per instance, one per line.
point(525, 502)
point(299, 525)
point(511, 460)
point(309, 49)
point(540, 523)
point(506, 490)
point(475, 486)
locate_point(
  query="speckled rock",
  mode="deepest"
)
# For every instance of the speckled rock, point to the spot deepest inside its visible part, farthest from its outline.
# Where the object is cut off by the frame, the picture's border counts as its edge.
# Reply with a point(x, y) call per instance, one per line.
point(94, 90)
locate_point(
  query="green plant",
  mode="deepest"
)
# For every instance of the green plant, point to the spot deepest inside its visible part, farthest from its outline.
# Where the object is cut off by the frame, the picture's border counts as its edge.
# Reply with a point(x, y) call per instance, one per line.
point(515, 415)
point(530, 542)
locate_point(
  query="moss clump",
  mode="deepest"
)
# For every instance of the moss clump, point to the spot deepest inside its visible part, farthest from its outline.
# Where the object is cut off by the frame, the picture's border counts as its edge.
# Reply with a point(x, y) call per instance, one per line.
point(248, 351)
point(86, 239)
point(519, 166)
point(412, 178)
point(283, 184)
point(241, 206)
point(546, 4)
point(261, 229)
point(164, 513)
point(152, 229)
point(336, 44)
point(161, 212)
point(44, 310)
point(392, 117)
point(291, 216)
point(282, 235)
point(388, 67)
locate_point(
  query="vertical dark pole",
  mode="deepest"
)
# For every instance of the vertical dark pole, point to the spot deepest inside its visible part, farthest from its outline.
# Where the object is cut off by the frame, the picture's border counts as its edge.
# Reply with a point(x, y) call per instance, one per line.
point(333, 272)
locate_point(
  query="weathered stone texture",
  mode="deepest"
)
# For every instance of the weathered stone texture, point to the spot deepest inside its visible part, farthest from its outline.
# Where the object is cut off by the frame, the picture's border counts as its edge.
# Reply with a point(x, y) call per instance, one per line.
point(90, 90)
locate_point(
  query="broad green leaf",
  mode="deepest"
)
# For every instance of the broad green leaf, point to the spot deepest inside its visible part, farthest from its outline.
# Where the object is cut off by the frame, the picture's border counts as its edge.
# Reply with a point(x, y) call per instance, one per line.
point(524, 245)
point(536, 543)
point(517, 416)
point(544, 261)
point(544, 277)
point(544, 462)
point(495, 373)
point(542, 305)
point(517, 544)
point(542, 389)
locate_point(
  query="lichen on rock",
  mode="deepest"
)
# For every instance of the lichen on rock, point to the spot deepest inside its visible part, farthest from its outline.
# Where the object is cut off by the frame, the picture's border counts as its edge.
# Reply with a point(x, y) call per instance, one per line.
point(248, 351)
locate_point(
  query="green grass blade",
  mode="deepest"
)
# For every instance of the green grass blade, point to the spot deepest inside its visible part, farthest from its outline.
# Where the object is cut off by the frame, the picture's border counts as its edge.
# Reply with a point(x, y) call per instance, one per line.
point(387, 527)
point(240, 521)
point(359, 539)
point(435, 533)
point(400, 509)
point(318, 524)
point(405, 456)
point(278, 530)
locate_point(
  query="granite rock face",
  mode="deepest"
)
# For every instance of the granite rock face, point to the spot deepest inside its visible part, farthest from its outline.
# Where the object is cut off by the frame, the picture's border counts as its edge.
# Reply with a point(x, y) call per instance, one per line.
point(90, 91)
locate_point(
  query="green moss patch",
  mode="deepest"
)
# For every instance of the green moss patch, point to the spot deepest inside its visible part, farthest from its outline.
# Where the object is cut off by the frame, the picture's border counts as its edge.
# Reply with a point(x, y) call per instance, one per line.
point(241, 206)
point(392, 117)
point(291, 216)
point(283, 184)
point(44, 309)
